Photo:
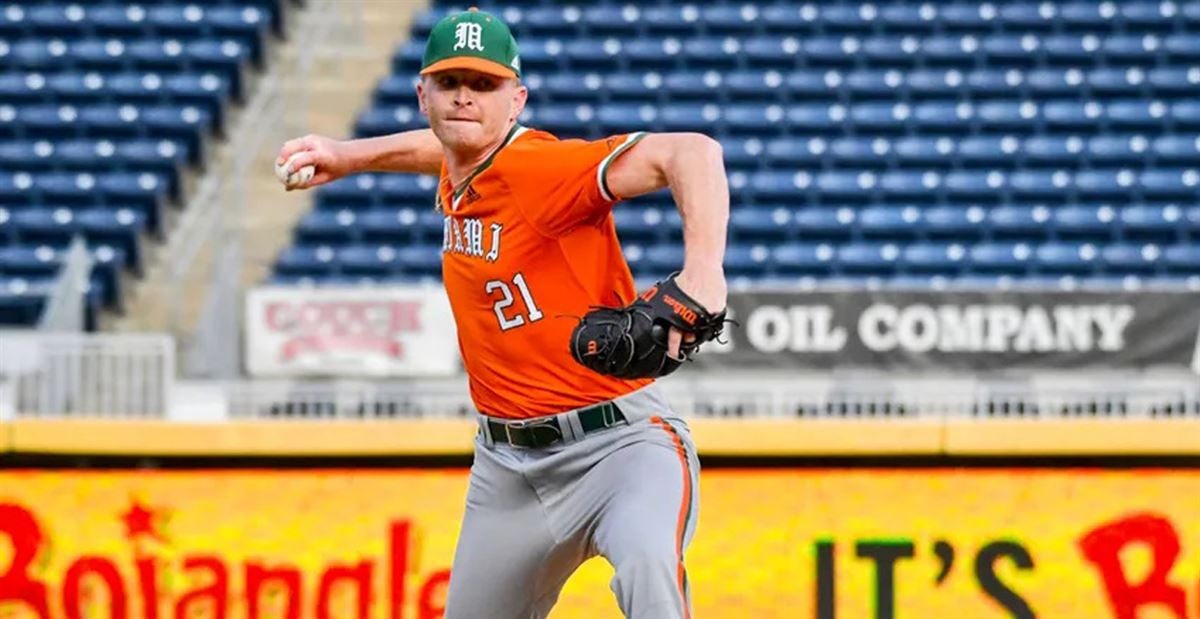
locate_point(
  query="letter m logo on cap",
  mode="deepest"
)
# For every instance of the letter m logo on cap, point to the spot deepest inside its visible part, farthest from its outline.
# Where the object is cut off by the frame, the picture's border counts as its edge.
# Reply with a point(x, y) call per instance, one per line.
point(468, 36)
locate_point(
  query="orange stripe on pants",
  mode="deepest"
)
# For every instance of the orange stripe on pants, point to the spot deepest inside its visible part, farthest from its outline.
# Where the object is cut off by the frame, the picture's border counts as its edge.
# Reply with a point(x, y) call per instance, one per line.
point(681, 523)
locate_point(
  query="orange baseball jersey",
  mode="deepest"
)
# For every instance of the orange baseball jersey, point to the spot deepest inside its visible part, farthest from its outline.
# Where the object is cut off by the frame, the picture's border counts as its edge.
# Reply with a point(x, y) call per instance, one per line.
point(529, 245)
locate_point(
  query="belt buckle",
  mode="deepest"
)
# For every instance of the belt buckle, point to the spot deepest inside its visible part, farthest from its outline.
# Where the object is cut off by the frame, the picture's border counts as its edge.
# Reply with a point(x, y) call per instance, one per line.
point(550, 422)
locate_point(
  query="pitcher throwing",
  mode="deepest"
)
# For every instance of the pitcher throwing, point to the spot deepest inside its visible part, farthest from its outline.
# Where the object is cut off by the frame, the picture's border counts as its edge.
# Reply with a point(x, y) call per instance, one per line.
point(578, 453)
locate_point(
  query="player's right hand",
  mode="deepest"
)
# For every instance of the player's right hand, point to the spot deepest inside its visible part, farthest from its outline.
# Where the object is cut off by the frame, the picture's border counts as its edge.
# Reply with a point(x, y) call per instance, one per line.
point(328, 157)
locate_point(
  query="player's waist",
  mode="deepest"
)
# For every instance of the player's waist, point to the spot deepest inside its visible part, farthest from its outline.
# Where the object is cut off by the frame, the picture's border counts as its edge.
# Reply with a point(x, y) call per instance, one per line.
point(638, 404)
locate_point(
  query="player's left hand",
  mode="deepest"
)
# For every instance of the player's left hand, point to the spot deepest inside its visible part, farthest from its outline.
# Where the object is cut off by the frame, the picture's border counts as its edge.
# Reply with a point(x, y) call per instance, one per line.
point(708, 288)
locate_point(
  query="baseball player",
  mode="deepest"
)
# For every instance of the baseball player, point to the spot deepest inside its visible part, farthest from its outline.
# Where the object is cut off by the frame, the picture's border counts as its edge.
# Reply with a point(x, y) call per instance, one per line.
point(578, 453)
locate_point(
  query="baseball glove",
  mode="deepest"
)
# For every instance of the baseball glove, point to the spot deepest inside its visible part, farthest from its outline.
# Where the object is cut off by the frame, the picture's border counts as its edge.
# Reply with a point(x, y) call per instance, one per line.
point(631, 341)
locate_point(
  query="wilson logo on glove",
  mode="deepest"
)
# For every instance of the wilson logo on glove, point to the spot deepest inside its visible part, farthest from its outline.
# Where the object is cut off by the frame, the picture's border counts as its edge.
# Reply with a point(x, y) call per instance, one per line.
point(631, 341)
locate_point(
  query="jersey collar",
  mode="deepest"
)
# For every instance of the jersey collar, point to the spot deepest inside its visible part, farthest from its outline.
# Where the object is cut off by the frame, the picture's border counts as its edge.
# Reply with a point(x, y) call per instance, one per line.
point(513, 134)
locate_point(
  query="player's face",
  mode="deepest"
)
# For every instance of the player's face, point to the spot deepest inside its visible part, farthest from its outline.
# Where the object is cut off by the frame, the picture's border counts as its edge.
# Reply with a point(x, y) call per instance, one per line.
point(470, 111)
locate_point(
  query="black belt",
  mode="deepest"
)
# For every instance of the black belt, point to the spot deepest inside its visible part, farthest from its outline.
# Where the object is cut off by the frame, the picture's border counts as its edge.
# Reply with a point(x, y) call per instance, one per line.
point(547, 431)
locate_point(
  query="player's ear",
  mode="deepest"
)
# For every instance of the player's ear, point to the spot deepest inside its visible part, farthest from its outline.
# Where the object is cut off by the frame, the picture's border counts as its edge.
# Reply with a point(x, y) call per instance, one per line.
point(421, 96)
point(520, 98)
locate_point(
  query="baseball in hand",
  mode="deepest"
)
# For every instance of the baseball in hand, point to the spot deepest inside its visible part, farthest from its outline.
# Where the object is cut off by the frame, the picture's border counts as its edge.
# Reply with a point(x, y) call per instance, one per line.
point(297, 177)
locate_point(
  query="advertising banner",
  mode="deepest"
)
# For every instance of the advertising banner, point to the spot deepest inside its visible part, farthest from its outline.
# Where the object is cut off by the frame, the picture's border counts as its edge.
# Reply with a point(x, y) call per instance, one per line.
point(369, 331)
point(963, 331)
point(809, 543)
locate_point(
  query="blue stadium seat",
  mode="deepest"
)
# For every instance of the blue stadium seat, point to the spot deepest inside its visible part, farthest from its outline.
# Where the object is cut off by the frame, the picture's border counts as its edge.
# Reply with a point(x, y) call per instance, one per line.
point(691, 116)
point(1018, 221)
point(420, 260)
point(802, 258)
point(742, 119)
point(382, 121)
point(1129, 258)
point(952, 50)
point(741, 260)
point(762, 224)
point(1186, 114)
point(1152, 221)
point(886, 50)
point(1000, 258)
point(977, 184)
point(306, 260)
point(1039, 184)
point(771, 52)
point(868, 258)
point(943, 116)
point(967, 16)
point(795, 151)
point(826, 222)
point(626, 117)
point(933, 258)
point(830, 50)
point(954, 222)
point(327, 228)
point(1183, 45)
point(670, 19)
point(581, 86)
point(848, 185)
point(607, 20)
point(932, 83)
point(1177, 148)
point(712, 52)
point(1117, 149)
point(1087, 14)
point(1105, 183)
point(815, 117)
point(395, 226)
point(1085, 221)
point(927, 150)
point(889, 221)
point(727, 19)
point(584, 54)
point(1182, 259)
point(547, 21)
point(1171, 182)
point(980, 150)
point(1009, 115)
point(1066, 258)
point(692, 85)
point(1143, 114)
point(367, 260)
point(1028, 16)
point(753, 85)
point(1174, 80)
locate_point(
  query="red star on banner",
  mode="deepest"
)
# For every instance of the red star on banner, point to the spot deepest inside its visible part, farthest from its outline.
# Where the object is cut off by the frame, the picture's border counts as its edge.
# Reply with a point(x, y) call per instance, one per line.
point(141, 520)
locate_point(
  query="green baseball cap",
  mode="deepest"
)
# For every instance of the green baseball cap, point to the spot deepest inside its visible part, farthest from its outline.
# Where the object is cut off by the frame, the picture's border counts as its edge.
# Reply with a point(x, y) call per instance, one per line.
point(472, 40)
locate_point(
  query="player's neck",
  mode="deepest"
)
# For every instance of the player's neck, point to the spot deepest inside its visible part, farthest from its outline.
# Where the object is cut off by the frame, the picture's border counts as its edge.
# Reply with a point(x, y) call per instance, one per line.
point(460, 165)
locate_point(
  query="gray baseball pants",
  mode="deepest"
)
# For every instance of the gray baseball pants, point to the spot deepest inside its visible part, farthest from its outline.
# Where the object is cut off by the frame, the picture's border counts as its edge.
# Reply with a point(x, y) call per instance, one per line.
point(533, 515)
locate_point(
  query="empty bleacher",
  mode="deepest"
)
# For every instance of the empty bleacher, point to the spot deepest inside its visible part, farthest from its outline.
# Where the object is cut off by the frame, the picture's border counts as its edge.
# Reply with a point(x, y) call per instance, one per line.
point(107, 112)
point(1047, 142)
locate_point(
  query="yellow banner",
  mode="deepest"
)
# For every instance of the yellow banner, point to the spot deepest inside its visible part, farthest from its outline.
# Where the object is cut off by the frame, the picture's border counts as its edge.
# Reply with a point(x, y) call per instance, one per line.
point(848, 543)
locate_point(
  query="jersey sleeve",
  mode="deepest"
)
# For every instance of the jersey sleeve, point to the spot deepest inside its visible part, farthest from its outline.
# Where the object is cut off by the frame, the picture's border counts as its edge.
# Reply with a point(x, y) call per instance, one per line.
point(562, 184)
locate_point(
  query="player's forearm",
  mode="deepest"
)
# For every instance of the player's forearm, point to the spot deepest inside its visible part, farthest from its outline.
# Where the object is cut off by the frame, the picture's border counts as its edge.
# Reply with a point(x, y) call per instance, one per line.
point(695, 172)
point(416, 151)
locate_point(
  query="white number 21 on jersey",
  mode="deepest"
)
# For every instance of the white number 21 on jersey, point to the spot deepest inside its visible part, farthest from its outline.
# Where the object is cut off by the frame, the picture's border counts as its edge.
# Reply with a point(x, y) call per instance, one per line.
point(506, 299)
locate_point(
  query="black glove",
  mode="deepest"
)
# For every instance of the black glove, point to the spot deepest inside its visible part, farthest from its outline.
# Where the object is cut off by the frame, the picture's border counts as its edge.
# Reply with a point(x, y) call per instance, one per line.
point(631, 341)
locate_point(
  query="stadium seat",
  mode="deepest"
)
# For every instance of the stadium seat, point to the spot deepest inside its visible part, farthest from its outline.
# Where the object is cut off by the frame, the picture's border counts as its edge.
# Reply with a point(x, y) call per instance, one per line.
point(1182, 259)
point(1128, 258)
point(1152, 221)
point(1000, 258)
point(933, 258)
point(1081, 221)
point(1066, 258)
point(802, 258)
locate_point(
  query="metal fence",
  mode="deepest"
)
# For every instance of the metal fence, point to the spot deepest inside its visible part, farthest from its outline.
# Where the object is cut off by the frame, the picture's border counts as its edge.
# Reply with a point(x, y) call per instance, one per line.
point(1065, 396)
point(85, 375)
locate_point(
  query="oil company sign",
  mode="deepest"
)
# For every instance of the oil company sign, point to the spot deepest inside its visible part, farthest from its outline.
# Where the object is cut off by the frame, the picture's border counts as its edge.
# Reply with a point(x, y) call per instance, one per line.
point(809, 543)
